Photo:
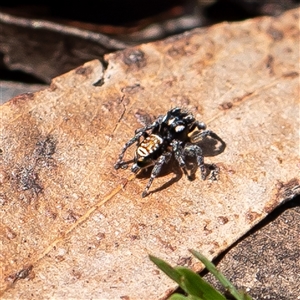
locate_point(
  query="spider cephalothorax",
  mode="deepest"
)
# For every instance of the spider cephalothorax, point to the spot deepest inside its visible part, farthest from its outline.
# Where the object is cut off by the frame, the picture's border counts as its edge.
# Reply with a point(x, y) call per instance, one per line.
point(176, 132)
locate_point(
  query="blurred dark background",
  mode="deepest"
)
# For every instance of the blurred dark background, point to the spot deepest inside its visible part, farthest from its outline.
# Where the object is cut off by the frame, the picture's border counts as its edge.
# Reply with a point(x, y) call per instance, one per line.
point(41, 41)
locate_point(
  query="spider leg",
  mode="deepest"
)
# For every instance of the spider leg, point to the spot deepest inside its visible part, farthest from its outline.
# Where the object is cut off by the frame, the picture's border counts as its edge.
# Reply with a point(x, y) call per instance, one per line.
point(195, 150)
point(214, 172)
point(120, 162)
point(164, 158)
point(179, 155)
point(138, 134)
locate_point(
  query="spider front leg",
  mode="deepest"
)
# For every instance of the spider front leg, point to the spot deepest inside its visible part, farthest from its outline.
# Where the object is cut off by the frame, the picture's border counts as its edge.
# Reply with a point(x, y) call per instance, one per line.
point(120, 163)
point(164, 158)
point(195, 150)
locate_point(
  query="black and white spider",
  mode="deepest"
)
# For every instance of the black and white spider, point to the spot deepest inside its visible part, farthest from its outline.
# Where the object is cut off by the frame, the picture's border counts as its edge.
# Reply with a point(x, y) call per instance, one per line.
point(176, 132)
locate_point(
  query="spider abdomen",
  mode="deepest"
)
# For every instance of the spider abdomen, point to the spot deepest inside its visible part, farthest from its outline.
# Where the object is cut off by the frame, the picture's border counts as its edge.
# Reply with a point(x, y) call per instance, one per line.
point(149, 145)
point(147, 151)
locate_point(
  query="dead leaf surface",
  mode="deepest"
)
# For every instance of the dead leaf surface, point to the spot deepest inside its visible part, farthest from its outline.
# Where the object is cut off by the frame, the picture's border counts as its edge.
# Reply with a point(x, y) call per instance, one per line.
point(74, 227)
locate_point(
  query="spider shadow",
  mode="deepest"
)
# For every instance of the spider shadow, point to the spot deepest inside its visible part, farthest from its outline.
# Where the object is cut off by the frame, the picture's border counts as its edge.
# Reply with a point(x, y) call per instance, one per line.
point(171, 167)
point(211, 146)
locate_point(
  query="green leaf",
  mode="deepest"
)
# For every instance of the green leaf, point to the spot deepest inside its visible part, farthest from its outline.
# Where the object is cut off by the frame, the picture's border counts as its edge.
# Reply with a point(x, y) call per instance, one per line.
point(194, 285)
point(223, 280)
point(245, 296)
point(167, 269)
point(178, 297)
point(181, 297)
point(189, 281)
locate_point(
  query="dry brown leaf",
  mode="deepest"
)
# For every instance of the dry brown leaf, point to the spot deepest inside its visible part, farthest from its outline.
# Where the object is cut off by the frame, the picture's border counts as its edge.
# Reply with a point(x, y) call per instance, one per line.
point(74, 227)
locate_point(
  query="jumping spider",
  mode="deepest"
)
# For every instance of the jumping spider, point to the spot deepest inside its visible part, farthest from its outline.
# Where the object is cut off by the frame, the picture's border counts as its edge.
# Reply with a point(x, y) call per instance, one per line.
point(176, 132)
